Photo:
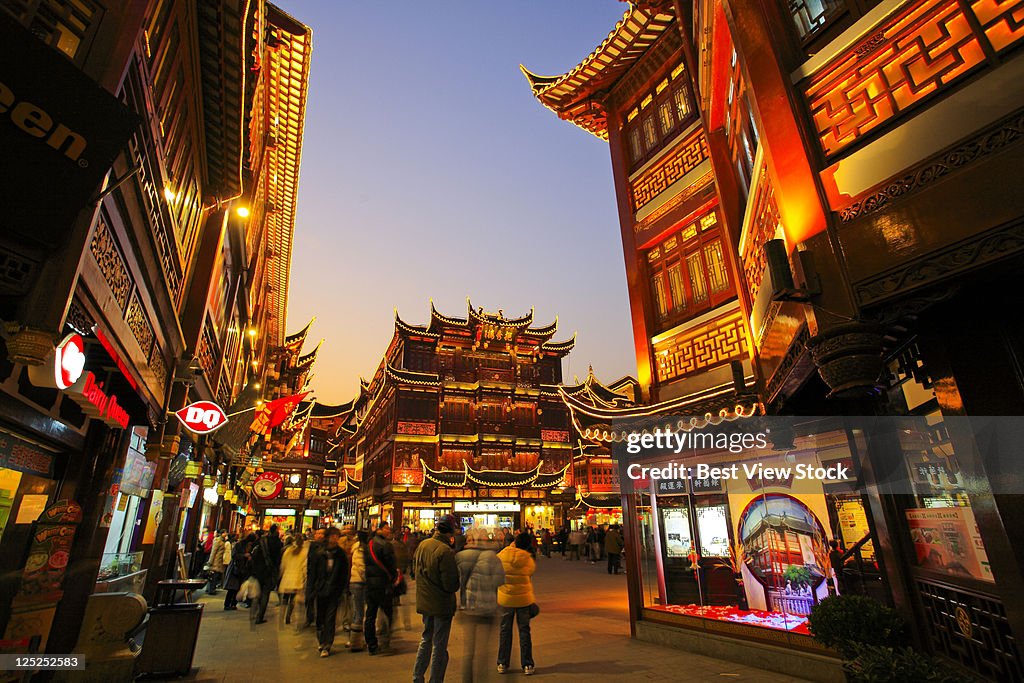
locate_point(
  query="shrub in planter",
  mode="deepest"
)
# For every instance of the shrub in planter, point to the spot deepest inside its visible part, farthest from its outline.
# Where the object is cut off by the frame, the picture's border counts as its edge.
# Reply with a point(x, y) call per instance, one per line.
point(880, 664)
point(843, 621)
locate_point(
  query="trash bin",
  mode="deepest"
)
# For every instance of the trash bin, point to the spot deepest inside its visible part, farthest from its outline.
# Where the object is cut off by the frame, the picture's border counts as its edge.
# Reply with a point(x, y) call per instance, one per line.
point(170, 641)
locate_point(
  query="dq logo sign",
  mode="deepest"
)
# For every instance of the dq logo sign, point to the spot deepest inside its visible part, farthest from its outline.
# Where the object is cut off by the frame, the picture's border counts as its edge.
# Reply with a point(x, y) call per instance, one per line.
point(202, 417)
point(69, 361)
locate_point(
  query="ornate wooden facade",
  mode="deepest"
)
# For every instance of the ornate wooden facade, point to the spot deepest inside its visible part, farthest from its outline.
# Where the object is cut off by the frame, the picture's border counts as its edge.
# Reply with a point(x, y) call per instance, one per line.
point(877, 139)
point(164, 268)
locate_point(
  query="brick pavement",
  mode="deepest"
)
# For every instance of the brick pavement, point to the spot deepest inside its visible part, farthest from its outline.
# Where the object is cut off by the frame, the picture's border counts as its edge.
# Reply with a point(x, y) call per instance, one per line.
point(582, 634)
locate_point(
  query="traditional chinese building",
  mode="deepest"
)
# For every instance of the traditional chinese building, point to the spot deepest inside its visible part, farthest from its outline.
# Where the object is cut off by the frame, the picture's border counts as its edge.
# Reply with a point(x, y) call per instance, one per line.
point(853, 162)
point(154, 221)
point(463, 416)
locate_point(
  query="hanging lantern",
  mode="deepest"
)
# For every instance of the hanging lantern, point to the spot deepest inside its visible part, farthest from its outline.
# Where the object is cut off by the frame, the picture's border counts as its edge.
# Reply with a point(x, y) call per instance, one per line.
point(208, 482)
point(221, 489)
point(192, 469)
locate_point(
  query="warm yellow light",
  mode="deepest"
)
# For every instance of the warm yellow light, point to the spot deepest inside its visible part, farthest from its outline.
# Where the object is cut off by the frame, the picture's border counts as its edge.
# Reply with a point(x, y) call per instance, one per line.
point(242, 211)
point(259, 402)
point(252, 331)
point(169, 194)
point(256, 386)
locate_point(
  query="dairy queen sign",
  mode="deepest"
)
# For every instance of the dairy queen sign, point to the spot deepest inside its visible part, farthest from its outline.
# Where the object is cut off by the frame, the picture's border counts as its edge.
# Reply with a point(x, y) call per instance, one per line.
point(202, 417)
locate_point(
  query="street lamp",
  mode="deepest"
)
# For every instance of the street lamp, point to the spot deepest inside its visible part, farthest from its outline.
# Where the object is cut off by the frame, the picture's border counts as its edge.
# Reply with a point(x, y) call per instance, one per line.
point(242, 211)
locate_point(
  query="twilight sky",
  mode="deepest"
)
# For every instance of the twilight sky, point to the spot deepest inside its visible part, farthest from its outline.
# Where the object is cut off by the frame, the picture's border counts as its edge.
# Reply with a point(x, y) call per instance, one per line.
point(429, 170)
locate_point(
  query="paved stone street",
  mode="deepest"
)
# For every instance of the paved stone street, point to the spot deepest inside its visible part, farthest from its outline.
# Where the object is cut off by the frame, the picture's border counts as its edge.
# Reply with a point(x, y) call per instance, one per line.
point(582, 634)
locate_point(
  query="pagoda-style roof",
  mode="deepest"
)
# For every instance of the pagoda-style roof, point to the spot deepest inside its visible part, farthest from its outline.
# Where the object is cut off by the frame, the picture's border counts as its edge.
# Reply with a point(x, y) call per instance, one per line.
point(323, 410)
point(560, 347)
point(481, 316)
point(604, 424)
point(295, 341)
point(546, 480)
point(571, 95)
point(619, 394)
point(431, 379)
point(478, 316)
point(494, 478)
point(306, 362)
point(403, 327)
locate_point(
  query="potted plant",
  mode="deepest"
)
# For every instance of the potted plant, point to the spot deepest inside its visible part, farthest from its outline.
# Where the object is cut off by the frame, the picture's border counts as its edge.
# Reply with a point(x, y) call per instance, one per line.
point(882, 664)
point(843, 622)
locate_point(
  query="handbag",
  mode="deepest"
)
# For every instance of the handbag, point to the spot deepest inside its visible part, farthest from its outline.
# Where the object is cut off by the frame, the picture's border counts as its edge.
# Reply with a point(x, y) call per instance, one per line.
point(534, 610)
point(250, 589)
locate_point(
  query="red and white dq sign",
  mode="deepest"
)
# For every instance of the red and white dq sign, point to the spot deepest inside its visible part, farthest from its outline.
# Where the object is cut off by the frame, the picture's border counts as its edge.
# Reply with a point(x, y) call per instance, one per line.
point(69, 361)
point(202, 417)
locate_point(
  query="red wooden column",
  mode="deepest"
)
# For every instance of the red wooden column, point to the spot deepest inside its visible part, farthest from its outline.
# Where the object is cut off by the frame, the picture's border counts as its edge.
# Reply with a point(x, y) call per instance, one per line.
point(635, 281)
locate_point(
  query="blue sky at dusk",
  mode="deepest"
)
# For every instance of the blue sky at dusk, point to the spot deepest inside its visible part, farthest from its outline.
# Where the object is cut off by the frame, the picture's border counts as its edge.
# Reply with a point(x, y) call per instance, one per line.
point(429, 170)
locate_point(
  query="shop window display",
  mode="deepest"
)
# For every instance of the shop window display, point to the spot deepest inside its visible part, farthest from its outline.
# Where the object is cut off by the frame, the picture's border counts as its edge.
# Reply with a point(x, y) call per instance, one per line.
point(746, 549)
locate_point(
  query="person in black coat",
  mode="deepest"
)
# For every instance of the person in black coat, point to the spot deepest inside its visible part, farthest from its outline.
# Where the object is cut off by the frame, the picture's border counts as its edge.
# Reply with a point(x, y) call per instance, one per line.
point(328, 579)
point(381, 576)
point(266, 567)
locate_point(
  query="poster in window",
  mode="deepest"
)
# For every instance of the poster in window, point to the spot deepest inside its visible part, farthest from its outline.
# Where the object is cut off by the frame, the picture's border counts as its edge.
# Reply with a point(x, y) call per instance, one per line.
point(676, 523)
point(713, 527)
point(155, 516)
point(947, 540)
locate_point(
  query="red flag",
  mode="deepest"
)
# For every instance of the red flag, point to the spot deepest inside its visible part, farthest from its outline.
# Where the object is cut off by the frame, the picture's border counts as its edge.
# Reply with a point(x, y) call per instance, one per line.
point(276, 412)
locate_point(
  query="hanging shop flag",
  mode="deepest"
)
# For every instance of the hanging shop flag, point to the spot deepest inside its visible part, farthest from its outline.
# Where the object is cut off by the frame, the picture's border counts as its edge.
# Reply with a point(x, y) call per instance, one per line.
point(202, 417)
point(275, 413)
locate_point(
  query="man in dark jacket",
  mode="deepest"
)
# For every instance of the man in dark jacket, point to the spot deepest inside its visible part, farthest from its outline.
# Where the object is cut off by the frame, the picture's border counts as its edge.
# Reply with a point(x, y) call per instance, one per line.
point(436, 585)
point(328, 579)
point(266, 566)
point(316, 546)
point(381, 575)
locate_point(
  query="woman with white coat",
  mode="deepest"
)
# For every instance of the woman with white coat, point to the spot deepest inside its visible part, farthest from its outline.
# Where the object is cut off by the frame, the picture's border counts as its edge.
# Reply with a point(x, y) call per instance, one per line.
point(293, 575)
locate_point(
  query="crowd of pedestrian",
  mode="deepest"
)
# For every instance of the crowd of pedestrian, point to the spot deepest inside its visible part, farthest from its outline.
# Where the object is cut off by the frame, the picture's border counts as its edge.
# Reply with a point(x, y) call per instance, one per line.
point(485, 577)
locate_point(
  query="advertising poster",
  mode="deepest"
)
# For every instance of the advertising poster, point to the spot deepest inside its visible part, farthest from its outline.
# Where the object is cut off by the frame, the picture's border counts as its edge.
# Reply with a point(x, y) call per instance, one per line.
point(156, 514)
point(853, 526)
point(50, 551)
point(805, 503)
point(676, 523)
point(713, 527)
point(947, 540)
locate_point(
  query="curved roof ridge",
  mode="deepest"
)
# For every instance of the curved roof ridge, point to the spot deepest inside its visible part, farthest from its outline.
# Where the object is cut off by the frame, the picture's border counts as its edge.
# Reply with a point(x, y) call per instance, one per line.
point(437, 315)
point(594, 54)
point(301, 334)
point(401, 325)
point(411, 376)
point(499, 319)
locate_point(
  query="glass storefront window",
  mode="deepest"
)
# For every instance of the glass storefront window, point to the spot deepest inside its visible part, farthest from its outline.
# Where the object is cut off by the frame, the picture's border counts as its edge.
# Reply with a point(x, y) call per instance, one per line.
point(747, 548)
